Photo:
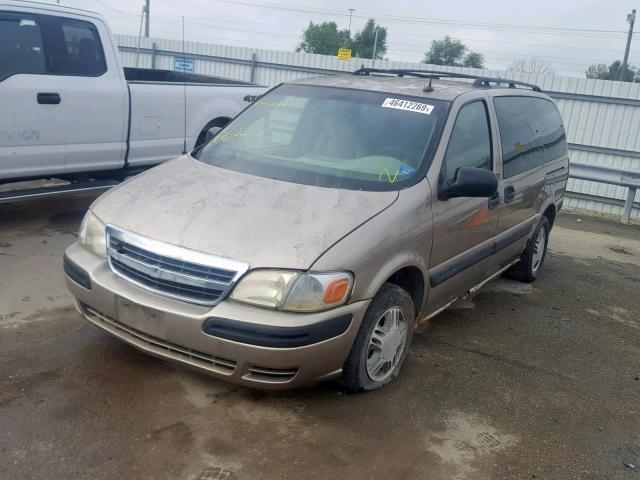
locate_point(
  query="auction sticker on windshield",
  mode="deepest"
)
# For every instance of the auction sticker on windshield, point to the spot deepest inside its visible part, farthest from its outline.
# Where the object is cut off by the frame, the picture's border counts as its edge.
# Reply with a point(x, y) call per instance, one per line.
point(409, 105)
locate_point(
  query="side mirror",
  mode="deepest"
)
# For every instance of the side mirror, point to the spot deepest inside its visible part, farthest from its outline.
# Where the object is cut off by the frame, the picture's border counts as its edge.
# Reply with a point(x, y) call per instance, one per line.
point(470, 182)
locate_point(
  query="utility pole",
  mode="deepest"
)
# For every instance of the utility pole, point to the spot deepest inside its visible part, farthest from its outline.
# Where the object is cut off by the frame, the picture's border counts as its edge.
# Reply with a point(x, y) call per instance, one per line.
point(351, 10)
point(375, 47)
point(146, 17)
point(631, 18)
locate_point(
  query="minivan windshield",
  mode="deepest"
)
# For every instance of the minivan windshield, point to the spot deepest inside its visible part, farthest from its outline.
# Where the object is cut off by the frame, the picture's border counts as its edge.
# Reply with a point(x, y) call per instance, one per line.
point(331, 137)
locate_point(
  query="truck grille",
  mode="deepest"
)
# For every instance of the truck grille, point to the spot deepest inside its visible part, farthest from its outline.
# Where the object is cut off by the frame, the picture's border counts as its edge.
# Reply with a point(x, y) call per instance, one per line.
point(169, 270)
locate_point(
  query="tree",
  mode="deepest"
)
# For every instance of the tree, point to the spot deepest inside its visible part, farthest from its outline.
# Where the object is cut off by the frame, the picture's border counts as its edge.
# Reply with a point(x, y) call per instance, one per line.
point(473, 60)
point(323, 38)
point(612, 72)
point(364, 41)
point(452, 52)
point(597, 70)
point(533, 65)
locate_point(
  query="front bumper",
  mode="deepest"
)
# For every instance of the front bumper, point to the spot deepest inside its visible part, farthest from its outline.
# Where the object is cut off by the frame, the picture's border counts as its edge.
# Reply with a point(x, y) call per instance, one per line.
point(245, 345)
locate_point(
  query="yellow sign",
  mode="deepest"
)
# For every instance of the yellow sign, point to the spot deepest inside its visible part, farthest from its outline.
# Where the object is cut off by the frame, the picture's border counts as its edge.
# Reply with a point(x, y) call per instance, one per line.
point(344, 54)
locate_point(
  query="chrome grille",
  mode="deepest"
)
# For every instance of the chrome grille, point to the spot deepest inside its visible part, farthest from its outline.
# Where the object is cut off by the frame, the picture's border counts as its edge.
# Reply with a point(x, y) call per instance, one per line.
point(169, 270)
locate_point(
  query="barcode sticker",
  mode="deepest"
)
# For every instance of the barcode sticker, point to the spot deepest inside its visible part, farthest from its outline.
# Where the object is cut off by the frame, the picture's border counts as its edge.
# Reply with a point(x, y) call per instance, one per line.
point(408, 105)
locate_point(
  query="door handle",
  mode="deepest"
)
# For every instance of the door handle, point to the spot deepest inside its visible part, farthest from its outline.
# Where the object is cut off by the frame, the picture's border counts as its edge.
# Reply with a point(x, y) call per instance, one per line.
point(509, 194)
point(494, 202)
point(48, 98)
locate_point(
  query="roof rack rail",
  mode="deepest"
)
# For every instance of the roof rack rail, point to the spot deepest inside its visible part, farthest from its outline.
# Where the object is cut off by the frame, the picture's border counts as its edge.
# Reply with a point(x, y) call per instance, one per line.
point(480, 81)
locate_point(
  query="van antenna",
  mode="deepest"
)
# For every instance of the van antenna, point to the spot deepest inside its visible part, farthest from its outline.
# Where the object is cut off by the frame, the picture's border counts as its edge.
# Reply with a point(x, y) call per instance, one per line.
point(184, 90)
point(428, 88)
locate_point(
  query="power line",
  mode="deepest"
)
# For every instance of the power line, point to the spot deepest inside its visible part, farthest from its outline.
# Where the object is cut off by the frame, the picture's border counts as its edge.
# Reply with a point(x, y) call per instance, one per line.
point(528, 29)
point(413, 47)
point(432, 21)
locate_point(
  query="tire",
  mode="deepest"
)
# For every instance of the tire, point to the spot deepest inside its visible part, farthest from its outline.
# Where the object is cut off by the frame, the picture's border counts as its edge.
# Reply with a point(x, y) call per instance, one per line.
point(390, 308)
point(530, 264)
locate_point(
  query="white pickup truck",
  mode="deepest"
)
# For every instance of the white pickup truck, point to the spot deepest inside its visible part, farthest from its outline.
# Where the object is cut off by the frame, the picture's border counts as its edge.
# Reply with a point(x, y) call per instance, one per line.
point(69, 109)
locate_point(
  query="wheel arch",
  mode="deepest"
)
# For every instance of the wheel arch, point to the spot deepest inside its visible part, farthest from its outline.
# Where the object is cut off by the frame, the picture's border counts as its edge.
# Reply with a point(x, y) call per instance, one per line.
point(220, 121)
point(550, 212)
point(412, 280)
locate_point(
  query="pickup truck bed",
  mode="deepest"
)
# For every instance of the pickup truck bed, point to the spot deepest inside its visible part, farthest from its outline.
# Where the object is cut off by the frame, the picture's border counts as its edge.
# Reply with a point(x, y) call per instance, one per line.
point(132, 74)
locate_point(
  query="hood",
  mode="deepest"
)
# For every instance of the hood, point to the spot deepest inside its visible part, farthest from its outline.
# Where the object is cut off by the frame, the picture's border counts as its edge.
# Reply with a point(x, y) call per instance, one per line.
point(264, 222)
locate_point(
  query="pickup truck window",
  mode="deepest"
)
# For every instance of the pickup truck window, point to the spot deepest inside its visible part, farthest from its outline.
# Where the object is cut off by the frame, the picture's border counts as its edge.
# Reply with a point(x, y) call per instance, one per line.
point(85, 56)
point(21, 46)
point(331, 137)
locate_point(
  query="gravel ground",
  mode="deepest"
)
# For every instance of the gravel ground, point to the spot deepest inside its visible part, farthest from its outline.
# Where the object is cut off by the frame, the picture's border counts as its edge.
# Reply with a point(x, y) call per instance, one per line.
point(521, 382)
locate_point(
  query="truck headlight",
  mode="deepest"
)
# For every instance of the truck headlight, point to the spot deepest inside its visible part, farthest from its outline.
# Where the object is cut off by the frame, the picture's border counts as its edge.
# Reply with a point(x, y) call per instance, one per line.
point(92, 234)
point(293, 291)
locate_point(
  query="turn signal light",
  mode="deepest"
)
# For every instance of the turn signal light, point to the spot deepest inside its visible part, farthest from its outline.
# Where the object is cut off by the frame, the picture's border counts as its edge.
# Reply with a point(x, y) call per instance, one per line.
point(336, 291)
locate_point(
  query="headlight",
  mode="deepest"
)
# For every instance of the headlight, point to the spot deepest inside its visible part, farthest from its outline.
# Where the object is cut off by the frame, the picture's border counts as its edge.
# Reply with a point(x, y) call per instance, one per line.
point(92, 234)
point(294, 291)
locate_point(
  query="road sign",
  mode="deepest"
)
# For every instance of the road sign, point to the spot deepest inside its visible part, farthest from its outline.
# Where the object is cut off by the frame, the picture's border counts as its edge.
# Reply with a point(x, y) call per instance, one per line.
point(344, 54)
point(184, 64)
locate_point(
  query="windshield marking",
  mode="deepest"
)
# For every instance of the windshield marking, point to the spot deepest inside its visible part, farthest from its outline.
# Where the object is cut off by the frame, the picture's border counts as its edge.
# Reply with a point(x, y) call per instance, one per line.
point(391, 179)
point(408, 105)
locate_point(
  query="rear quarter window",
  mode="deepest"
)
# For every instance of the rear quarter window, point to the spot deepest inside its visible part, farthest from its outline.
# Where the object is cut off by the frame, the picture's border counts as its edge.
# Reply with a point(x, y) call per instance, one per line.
point(531, 133)
point(85, 56)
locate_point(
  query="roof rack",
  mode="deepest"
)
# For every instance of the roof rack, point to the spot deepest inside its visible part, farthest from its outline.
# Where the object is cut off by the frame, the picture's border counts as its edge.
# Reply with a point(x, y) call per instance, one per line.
point(480, 81)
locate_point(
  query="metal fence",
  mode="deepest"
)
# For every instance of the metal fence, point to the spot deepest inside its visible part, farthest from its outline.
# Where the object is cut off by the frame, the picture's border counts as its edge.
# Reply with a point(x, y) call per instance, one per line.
point(602, 117)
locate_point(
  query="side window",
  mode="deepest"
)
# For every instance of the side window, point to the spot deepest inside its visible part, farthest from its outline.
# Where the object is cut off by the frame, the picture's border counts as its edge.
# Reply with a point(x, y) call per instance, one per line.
point(21, 46)
point(551, 130)
point(526, 126)
point(85, 56)
point(470, 142)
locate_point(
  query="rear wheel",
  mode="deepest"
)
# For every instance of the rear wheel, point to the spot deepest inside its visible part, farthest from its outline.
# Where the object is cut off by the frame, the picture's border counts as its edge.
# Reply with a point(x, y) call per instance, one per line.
point(382, 342)
point(532, 259)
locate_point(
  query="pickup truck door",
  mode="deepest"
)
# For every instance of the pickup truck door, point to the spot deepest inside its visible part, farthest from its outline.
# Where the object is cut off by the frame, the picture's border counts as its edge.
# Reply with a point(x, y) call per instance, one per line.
point(32, 118)
point(94, 95)
point(463, 235)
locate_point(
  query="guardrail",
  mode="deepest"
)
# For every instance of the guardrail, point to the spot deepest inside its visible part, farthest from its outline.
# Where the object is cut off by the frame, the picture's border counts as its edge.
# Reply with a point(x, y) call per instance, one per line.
point(610, 176)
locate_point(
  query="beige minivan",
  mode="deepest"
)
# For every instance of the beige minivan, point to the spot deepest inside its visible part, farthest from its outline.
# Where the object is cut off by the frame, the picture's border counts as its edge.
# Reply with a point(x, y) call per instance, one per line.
point(310, 236)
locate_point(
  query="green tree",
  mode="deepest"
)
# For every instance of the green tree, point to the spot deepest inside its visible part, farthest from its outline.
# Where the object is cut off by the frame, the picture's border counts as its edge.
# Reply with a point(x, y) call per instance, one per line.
point(597, 70)
point(364, 41)
point(452, 52)
point(473, 60)
point(612, 72)
point(323, 38)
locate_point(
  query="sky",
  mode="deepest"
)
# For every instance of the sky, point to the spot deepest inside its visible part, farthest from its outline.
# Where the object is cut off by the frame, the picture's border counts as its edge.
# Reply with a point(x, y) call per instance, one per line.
point(567, 34)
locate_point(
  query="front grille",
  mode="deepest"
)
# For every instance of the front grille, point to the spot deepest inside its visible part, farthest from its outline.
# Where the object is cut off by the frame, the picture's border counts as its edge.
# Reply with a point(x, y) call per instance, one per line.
point(170, 270)
point(160, 346)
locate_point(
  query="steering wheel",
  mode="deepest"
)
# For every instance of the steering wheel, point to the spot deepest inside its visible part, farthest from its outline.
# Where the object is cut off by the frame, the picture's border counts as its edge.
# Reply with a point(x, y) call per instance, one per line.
point(404, 156)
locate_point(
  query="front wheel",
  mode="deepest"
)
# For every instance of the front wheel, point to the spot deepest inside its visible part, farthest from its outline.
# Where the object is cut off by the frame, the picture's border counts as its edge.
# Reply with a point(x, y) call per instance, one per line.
point(532, 259)
point(382, 342)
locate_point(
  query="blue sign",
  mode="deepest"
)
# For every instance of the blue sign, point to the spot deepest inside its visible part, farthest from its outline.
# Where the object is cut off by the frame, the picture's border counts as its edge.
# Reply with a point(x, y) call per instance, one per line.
point(184, 64)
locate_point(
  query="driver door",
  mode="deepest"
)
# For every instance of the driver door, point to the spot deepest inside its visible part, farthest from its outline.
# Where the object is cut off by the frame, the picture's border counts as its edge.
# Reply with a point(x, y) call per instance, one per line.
point(464, 227)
